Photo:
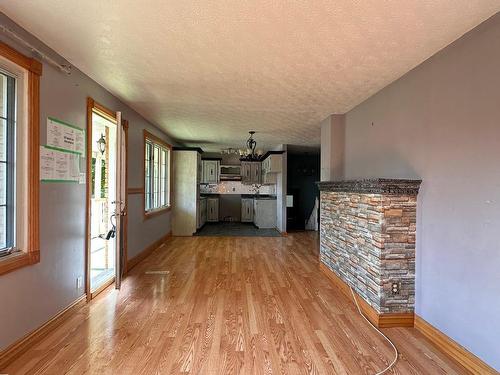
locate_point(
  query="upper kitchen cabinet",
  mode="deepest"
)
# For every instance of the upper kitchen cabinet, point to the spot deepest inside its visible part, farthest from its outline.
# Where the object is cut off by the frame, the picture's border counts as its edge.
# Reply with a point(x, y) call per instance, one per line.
point(272, 164)
point(210, 171)
point(255, 170)
point(250, 172)
point(246, 172)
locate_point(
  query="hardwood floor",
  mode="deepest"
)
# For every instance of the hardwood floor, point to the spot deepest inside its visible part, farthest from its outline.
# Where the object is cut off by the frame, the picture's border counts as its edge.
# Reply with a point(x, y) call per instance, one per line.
point(227, 306)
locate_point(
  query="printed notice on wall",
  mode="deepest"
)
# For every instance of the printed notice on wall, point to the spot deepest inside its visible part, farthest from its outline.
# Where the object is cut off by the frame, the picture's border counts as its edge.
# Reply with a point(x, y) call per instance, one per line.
point(64, 136)
point(59, 166)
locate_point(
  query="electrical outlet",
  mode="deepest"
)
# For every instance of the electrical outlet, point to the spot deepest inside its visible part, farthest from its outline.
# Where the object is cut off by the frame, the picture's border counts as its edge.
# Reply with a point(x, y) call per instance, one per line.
point(79, 282)
point(395, 288)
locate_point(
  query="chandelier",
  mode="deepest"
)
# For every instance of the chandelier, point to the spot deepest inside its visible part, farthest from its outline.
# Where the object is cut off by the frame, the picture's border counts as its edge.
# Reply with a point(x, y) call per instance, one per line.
point(249, 153)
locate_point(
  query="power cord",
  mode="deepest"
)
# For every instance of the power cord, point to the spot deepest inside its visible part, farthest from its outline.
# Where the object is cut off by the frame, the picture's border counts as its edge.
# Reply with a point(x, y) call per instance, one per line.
point(396, 354)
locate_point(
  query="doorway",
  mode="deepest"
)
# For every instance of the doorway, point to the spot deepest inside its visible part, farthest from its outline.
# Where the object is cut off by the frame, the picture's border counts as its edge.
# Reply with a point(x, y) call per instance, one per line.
point(102, 197)
point(303, 171)
point(105, 207)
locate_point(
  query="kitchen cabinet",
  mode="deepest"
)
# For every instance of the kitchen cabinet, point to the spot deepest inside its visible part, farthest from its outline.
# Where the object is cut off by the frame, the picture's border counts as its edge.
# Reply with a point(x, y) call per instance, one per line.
point(265, 213)
point(210, 171)
point(250, 172)
point(269, 178)
point(247, 210)
point(202, 212)
point(212, 209)
point(272, 164)
point(246, 172)
point(255, 170)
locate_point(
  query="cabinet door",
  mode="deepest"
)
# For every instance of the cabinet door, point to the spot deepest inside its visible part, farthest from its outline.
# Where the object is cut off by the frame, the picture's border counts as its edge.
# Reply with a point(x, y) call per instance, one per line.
point(216, 172)
point(255, 172)
point(213, 209)
point(198, 215)
point(204, 172)
point(203, 212)
point(210, 171)
point(275, 163)
point(247, 210)
point(199, 171)
point(265, 165)
point(246, 173)
point(244, 215)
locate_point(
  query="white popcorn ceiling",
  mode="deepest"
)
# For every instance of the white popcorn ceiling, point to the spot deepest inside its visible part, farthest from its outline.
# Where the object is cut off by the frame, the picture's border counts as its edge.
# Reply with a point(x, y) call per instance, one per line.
point(208, 71)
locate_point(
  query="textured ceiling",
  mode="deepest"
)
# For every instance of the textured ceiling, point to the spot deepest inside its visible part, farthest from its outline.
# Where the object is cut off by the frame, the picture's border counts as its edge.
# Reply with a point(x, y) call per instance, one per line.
point(209, 71)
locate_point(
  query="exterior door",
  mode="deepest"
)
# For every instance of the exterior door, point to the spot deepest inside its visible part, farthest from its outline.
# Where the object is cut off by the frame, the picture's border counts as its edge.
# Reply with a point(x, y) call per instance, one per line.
point(119, 206)
point(106, 179)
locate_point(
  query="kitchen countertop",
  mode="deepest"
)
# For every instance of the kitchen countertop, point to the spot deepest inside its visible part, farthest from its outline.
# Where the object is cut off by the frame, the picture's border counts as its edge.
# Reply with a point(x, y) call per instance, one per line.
point(254, 196)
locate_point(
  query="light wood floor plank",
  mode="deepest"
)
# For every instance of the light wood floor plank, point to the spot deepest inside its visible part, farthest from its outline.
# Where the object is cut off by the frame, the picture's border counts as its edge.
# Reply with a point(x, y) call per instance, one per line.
point(227, 306)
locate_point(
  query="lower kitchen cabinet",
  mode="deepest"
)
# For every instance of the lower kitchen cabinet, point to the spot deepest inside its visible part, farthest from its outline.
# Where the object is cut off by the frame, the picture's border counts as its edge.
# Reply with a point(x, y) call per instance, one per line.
point(202, 212)
point(247, 210)
point(212, 209)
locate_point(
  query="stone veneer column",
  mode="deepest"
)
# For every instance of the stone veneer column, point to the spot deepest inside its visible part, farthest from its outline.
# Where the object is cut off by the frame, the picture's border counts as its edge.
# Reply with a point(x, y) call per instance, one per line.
point(368, 239)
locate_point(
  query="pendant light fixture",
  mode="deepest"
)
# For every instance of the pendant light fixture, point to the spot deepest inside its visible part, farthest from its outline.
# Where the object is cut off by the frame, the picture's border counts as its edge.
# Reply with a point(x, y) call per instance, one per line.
point(101, 144)
point(249, 154)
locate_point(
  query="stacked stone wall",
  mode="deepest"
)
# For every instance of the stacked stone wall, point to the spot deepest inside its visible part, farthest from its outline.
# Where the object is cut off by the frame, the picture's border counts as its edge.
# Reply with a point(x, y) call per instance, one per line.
point(368, 240)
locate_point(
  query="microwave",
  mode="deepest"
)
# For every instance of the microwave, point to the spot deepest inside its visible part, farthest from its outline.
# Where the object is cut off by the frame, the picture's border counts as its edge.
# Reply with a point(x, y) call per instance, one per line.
point(230, 172)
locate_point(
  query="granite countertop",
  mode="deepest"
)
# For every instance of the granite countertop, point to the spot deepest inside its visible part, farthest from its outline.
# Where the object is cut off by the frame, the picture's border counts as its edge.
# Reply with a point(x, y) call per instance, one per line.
point(373, 186)
point(254, 196)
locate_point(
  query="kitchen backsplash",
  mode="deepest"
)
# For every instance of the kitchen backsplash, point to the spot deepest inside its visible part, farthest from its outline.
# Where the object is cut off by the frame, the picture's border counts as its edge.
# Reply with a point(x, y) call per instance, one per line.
point(236, 187)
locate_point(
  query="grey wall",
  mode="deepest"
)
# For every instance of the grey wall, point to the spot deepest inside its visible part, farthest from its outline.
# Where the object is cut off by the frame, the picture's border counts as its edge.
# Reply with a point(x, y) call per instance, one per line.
point(32, 295)
point(441, 123)
point(332, 147)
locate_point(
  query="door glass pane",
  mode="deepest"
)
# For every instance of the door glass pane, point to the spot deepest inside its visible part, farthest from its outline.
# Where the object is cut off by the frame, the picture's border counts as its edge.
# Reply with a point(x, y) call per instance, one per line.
point(104, 183)
point(3, 183)
point(3, 140)
point(3, 95)
point(92, 179)
point(147, 175)
point(163, 176)
point(156, 176)
point(104, 187)
point(3, 227)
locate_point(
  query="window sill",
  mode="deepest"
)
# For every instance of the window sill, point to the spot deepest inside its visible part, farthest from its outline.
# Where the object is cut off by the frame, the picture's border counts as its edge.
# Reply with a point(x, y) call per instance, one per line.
point(153, 213)
point(18, 260)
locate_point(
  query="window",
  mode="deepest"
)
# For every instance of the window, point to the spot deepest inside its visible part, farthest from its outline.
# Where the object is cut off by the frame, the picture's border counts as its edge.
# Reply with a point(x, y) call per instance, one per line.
point(19, 153)
point(7, 177)
point(156, 174)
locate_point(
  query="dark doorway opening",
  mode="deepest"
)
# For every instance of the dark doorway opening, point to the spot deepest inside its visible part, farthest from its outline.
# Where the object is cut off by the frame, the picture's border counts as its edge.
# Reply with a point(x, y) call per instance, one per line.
point(303, 171)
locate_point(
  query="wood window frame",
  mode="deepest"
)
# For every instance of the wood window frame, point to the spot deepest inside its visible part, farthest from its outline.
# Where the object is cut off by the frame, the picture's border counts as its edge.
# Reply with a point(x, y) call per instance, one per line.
point(152, 213)
point(31, 254)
